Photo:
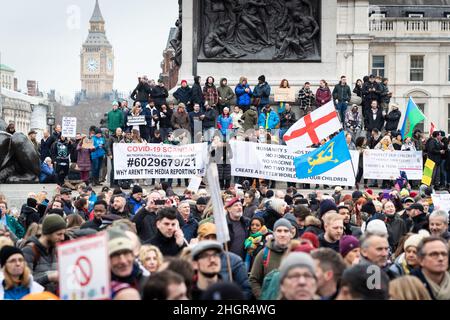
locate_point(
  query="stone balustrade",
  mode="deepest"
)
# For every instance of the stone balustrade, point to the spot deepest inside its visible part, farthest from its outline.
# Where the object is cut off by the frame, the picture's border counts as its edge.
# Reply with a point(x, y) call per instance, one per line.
point(409, 27)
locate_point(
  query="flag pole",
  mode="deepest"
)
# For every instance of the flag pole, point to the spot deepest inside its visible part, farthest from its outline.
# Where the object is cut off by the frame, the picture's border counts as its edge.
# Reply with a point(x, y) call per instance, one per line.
point(228, 261)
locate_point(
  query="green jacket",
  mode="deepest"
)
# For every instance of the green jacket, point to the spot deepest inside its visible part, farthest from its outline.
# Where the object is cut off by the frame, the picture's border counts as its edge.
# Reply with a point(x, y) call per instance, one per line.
point(115, 120)
point(265, 262)
point(15, 227)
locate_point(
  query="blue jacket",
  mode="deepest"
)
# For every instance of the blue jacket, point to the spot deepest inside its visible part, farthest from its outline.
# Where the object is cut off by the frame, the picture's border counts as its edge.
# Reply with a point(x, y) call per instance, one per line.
point(243, 98)
point(262, 92)
point(224, 124)
point(45, 172)
point(135, 205)
point(238, 270)
point(189, 228)
point(273, 122)
point(99, 151)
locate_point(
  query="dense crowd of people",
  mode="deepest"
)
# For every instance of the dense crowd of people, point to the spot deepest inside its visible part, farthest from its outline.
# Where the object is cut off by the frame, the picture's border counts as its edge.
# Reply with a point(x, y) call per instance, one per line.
point(284, 244)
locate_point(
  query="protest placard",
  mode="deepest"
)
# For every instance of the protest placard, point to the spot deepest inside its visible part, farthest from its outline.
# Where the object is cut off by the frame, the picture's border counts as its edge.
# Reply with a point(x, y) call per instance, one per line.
point(441, 201)
point(146, 161)
point(284, 95)
point(387, 165)
point(69, 127)
point(276, 162)
point(83, 267)
point(136, 121)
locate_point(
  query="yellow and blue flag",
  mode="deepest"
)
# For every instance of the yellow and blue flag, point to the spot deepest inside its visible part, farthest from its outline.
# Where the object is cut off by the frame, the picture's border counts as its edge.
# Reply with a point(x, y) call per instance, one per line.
point(323, 159)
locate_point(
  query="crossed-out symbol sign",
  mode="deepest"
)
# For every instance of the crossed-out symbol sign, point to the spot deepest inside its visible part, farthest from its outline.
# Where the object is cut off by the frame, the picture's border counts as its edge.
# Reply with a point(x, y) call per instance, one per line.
point(83, 271)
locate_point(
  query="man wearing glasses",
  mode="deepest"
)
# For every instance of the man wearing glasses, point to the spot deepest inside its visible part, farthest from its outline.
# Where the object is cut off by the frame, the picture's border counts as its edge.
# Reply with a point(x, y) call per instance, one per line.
point(432, 253)
point(297, 277)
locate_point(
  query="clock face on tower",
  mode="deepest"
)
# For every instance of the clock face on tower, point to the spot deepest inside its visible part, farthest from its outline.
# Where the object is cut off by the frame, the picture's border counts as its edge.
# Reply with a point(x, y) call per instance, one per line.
point(92, 65)
point(110, 65)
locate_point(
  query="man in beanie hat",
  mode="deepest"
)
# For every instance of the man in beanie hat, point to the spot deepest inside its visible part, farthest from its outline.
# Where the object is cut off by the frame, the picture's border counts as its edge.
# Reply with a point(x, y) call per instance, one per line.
point(269, 258)
point(18, 282)
point(40, 253)
point(298, 277)
point(135, 201)
point(238, 226)
point(125, 270)
point(334, 229)
point(261, 93)
point(184, 94)
point(329, 269)
point(349, 249)
point(30, 212)
point(199, 208)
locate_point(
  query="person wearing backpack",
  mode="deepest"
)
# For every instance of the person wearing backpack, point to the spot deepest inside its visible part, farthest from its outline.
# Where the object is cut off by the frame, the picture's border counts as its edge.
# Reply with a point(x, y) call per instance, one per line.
point(40, 253)
point(269, 258)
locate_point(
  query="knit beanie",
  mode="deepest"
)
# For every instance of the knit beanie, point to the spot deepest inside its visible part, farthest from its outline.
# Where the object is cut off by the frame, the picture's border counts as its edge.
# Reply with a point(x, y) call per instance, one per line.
point(282, 223)
point(327, 205)
point(347, 244)
point(53, 223)
point(357, 194)
point(118, 241)
point(201, 201)
point(277, 204)
point(369, 208)
point(6, 252)
point(291, 218)
point(262, 78)
point(377, 226)
point(136, 189)
point(311, 237)
point(294, 260)
point(414, 240)
point(305, 247)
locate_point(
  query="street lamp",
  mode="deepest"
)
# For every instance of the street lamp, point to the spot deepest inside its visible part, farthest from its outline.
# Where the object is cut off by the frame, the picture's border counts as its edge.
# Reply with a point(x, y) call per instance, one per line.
point(51, 121)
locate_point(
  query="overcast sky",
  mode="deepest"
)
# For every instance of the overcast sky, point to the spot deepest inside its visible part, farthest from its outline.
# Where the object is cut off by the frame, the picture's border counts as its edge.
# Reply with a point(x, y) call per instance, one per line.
point(42, 39)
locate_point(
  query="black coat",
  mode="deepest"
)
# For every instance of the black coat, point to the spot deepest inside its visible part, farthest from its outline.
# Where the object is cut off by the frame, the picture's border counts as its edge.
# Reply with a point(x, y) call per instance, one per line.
point(378, 122)
point(142, 92)
point(183, 95)
point(396, 229)
point(94, 224)
point(197, 95)
point(392, 119)
point(433, 147)
point(369, 96)
point(159, 95)
point(210, 119)
point(45, 148)
point(165, 118)
point(167, 246)
point(145, 224)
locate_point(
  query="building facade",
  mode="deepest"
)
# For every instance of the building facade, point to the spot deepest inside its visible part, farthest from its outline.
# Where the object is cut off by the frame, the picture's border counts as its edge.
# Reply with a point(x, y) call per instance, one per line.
point(6, 77)
point(407, 42)
point(97, 59)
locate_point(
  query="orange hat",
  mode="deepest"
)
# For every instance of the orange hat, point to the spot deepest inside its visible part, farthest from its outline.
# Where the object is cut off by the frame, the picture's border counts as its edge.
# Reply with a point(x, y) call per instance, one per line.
point(206, 229)
point(41, 296)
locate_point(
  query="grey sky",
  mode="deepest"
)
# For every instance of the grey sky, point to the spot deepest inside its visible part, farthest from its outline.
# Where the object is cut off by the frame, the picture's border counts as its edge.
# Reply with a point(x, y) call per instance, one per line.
point(42, 39)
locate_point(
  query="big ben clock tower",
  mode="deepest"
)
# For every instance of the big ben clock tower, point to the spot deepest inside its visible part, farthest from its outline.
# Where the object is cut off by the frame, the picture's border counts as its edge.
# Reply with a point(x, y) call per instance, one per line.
point(97, 59)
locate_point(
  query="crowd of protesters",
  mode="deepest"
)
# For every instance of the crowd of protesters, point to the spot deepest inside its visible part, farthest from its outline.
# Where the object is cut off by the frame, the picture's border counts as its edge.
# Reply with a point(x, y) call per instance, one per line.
point(284, 244)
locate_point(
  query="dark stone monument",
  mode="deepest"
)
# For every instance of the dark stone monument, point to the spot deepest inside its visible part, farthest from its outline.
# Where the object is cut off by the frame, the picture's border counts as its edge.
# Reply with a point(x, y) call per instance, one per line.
point(259, 30)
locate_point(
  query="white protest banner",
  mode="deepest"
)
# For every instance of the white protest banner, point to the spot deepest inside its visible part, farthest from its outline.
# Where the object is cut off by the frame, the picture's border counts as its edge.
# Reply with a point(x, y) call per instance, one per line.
point(276, 162)
point(194, 184)
point(136, 121)
point(284, 95)
point(380, 164)
point(212, 176)
point(441, 201)
point(146, 161)
point(83, 267)
point(69, 127)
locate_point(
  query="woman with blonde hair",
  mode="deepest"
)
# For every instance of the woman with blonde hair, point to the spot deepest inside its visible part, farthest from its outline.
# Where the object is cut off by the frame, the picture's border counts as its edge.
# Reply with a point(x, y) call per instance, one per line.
point(16, 279)
point(408, 288)
point(151, 258)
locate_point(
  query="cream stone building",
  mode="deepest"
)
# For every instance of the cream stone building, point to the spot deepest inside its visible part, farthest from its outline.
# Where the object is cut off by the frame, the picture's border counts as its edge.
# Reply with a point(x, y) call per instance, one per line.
point(6, 77)
point(97, 59)
point(407, 42)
